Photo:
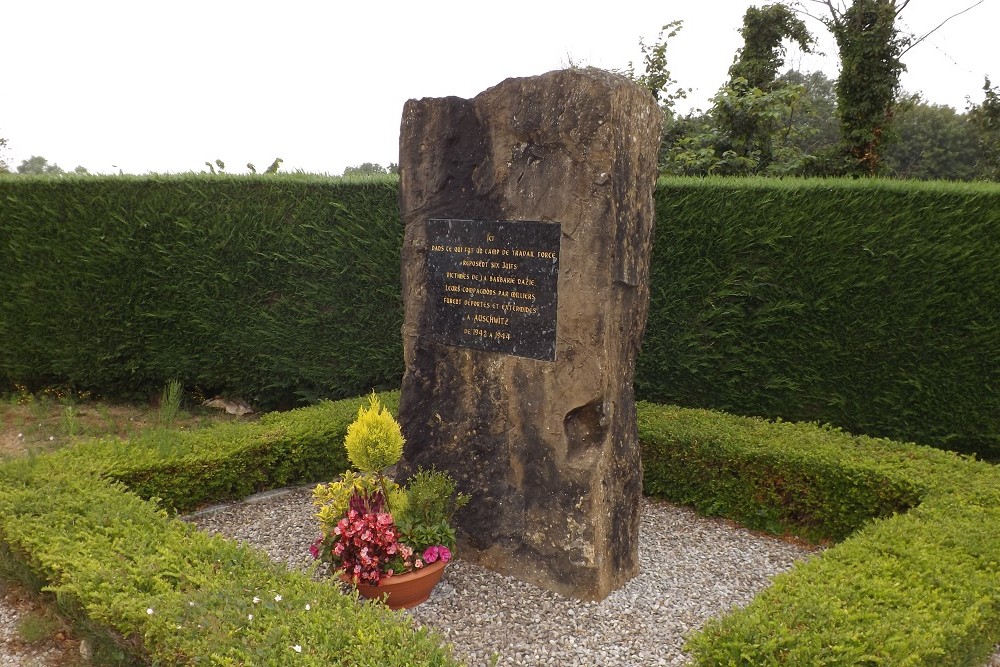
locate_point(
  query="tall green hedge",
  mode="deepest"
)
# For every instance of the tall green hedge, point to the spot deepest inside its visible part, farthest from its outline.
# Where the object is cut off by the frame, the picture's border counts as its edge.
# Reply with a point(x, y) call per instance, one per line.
point(872, 305)
point(279, 289)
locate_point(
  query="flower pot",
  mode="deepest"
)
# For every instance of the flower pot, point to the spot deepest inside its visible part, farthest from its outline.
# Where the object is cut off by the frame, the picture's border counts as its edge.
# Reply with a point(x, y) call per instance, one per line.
point(403, 590)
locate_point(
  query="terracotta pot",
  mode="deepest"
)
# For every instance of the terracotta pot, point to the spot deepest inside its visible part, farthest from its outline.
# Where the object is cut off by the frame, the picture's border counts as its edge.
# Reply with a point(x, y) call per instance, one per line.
point(403, 590)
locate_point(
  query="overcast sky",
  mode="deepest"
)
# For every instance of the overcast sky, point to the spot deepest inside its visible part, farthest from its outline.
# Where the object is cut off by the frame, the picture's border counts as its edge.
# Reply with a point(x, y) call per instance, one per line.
point(162, 87)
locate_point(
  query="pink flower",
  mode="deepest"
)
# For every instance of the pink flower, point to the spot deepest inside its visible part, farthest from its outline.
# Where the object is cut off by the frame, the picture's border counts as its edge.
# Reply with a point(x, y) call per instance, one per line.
point(418, 564)
point(439, 552)
point(314, 547)
point(366, 546)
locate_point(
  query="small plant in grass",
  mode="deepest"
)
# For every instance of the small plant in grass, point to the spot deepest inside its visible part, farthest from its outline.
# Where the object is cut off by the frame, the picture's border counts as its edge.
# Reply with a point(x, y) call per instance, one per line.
point(34, 627)
point(170, 403)
point(70, 420)
point(359, 534)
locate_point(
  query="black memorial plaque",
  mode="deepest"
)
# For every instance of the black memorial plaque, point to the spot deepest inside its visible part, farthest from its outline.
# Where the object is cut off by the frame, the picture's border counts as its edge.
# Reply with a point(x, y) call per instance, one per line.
point(492, 285)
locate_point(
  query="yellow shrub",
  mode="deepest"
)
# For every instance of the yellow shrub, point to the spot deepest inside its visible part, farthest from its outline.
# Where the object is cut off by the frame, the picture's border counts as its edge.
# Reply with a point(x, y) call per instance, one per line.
point(374, 440)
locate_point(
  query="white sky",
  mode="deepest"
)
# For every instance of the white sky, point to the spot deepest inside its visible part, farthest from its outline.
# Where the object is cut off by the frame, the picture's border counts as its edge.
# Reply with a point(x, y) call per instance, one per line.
point(165, 86)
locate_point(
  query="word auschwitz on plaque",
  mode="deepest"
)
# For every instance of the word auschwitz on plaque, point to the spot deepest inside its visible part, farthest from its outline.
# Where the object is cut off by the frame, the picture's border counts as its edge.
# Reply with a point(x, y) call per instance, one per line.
point(493, 285)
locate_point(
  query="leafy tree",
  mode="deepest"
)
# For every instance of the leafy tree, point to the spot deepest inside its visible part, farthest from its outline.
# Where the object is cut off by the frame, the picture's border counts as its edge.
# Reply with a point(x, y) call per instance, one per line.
point(4, 169)
point(935, 142)
point(985, 119)
point(366, 169)
point(870, 47)
point(273, 168)
point(655, 77)
point(751, 109)
point(688, 146)
point(764, 32)
point(36, 164)
point(814, 118)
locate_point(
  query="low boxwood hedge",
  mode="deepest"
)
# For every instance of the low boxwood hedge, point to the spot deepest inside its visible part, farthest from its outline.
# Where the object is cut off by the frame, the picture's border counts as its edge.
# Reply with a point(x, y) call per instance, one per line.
point(916, 577)
point(168, 594)
point(913, 577)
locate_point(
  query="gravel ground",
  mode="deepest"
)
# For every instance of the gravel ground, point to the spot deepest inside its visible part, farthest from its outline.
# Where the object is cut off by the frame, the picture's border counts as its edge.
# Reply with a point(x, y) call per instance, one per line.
point(693, 568)
point(56, 651)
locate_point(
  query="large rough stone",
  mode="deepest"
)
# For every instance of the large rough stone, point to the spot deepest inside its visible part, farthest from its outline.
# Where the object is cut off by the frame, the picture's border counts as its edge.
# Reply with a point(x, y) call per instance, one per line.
point(547, 449)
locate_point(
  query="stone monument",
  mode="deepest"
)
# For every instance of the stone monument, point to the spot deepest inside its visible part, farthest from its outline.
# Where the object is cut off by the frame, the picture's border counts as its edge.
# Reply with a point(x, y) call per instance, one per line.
point(528, 215)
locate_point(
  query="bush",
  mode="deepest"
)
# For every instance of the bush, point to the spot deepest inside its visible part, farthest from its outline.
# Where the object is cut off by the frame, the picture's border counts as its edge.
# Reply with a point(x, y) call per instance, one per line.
point(279, 289)
point(168, 594)
point(872, 305)
point(916, 579)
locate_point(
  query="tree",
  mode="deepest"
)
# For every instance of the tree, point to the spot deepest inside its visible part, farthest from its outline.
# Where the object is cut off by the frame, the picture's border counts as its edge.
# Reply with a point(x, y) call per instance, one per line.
point(366, 169)
point(935, 142)
point(273, 168)
point(871, 48)
point(763, 54)
point(750, 110)
point(816, 130)
point(655, 77)
point(985, 119)
point(4, 169)
point(36, 164)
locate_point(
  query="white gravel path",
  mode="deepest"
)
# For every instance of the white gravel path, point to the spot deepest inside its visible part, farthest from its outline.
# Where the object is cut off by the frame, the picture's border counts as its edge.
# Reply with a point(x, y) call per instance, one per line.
point(692, 569)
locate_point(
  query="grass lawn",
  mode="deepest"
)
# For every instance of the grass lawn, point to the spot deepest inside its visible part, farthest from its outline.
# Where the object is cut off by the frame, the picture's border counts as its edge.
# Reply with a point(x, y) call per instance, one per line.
point(37, 423)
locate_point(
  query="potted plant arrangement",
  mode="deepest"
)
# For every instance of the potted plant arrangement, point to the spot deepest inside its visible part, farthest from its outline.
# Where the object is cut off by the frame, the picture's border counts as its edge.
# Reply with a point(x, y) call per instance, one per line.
point(392, 542)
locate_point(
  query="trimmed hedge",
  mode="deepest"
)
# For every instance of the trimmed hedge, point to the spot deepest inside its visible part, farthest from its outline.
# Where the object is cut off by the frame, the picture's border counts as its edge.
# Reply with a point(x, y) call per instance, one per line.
point(279, 289)
point(188, 469)
point(914, 588)
point(170, 595)
point(915, 581)
point(872, 305)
